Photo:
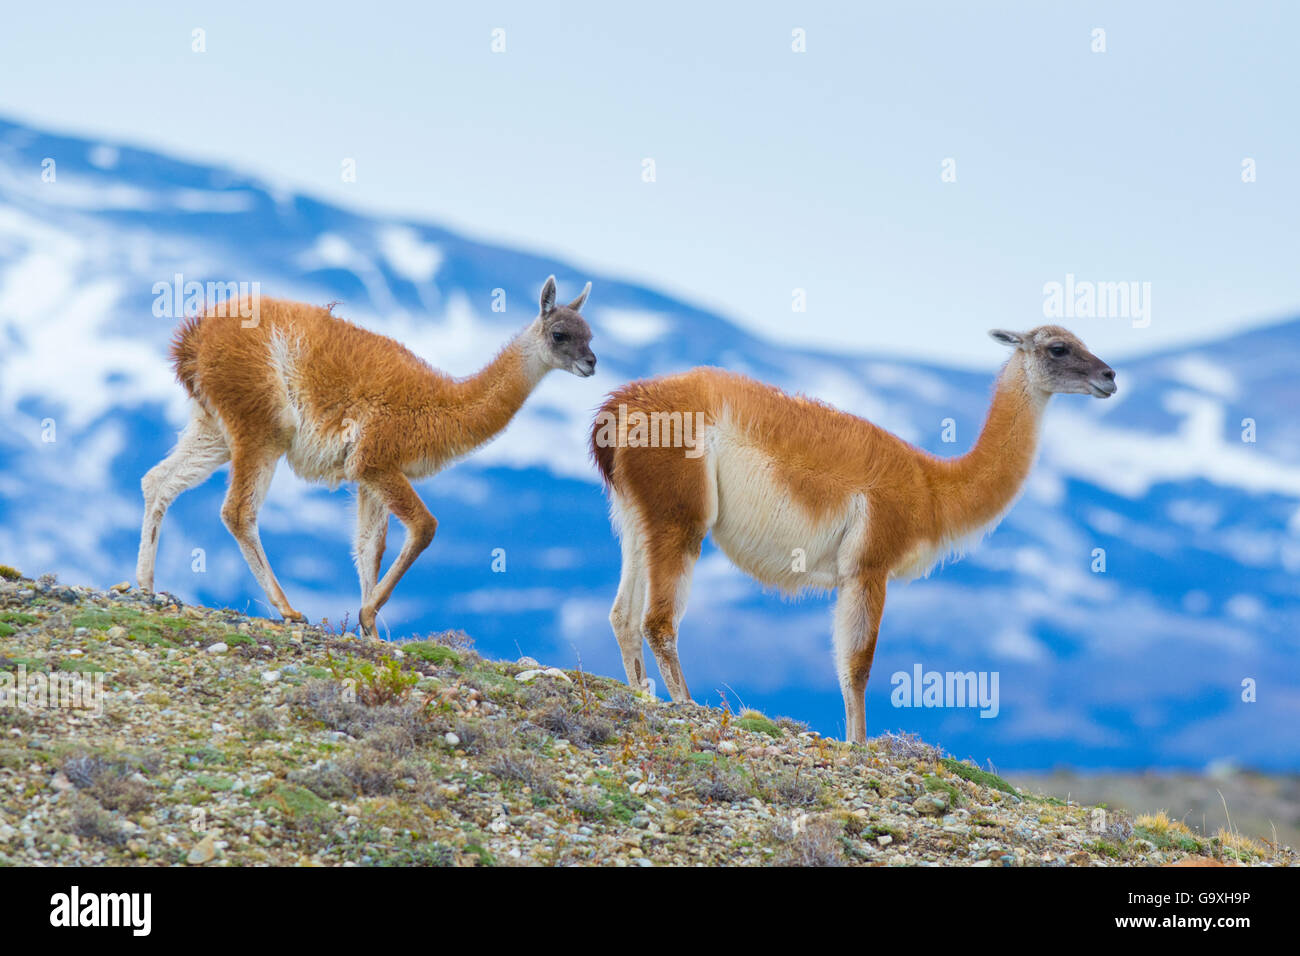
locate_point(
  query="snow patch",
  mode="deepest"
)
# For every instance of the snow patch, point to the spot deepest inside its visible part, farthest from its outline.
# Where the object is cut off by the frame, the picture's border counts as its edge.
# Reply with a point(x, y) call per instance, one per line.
point(1130, 463)
point(409, 255)
point(1201, 373)
point(103, 157)
point(634, 327)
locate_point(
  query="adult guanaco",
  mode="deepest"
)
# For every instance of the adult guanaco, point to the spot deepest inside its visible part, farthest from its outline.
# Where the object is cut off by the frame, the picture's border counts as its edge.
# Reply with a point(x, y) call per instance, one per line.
point(803, 496)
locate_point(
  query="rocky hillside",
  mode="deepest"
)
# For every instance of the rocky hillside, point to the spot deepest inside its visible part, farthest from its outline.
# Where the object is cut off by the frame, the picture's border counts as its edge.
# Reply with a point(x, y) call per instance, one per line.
point(220, 739)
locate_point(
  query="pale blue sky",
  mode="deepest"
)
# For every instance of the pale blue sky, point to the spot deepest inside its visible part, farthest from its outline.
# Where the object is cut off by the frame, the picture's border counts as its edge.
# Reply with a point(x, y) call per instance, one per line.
point(775, 170)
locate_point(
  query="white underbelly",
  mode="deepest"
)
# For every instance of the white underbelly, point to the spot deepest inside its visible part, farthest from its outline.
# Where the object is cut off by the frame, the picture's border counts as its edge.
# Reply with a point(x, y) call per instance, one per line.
point(316, 453)
point(315, 459)
point(768, 534)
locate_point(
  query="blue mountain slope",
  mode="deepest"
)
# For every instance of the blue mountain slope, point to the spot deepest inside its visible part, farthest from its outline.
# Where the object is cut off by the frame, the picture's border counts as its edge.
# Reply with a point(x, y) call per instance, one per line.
point(1141, 664)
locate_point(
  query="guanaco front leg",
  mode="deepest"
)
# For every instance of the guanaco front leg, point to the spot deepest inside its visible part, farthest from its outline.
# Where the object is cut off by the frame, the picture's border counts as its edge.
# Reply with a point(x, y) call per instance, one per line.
point(251, 471)
point(857, 625)
point(400, 498)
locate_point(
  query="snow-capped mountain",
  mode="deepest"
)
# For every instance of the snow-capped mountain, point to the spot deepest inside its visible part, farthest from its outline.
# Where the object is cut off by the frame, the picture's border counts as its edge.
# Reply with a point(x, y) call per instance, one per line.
point(1142, 663)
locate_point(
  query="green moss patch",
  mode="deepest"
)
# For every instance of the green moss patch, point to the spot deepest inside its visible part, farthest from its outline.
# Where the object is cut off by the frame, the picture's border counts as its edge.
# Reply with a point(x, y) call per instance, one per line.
point(758, 723)
point(430, 652)
point(979, 777)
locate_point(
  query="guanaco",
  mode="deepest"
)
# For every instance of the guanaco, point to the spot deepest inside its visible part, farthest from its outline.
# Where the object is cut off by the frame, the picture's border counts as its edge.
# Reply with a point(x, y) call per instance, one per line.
point(773, 476)
point(340, 404)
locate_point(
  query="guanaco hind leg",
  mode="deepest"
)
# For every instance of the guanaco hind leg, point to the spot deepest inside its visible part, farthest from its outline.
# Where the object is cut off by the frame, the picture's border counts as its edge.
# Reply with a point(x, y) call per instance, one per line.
point(629, 604)
point(670, 553)
point(200, 450)
point(372, 532)
point(395, 491)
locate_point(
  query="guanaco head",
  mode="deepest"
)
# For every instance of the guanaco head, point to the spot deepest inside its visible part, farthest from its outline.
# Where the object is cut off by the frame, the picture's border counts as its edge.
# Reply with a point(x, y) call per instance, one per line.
point(565, 335)
point(1056, 361)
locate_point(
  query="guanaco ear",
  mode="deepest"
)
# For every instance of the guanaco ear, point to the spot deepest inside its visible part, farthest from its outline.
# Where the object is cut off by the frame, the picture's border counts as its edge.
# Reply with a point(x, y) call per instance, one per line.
point(1014, 339)
point(576, 304)
point(548, 296)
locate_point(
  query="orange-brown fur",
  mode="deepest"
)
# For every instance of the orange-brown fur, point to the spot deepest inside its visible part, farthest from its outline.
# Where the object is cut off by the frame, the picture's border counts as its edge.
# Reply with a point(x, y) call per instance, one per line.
point(340, 403)
point(416, 417)
point(871, 505)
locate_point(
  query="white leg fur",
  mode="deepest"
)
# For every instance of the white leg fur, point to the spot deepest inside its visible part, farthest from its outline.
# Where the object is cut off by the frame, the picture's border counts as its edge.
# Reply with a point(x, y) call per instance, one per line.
point(199, 452)
point(850, 635)
point(372, 531)
point(629, 603)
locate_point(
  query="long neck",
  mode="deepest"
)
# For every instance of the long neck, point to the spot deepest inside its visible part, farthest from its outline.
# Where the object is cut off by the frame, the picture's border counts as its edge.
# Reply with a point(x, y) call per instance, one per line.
point(483, 404)
point(978, 487)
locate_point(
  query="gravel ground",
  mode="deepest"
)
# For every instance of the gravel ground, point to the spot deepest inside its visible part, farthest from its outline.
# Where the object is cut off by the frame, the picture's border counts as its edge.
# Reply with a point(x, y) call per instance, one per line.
point(226, 740)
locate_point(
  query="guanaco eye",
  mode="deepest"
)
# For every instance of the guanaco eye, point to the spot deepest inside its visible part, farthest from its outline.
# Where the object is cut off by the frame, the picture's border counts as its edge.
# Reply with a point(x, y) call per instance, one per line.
point(559, 337)
point(1059, 350)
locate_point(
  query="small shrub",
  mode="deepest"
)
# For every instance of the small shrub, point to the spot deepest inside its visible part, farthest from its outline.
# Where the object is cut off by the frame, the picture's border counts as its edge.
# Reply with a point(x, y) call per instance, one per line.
point(93, 822)
point(375, 685)
point(325, 702)
point(1160, 823)
point(1238, 846)
point(719, 782)
point(524, 768)
point(590, 809)
point(909, 746)
point(391, 740)
point(585, 730)
point(480, 737)
point(370, 772)
point(325, 780)
point(792, 725)
point(819, 843)
point(10, 573)
point(458, 641)
point(622, 705)
point(110, 781)
point(262, 721)
point(789, 787)
point(1166, 833)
